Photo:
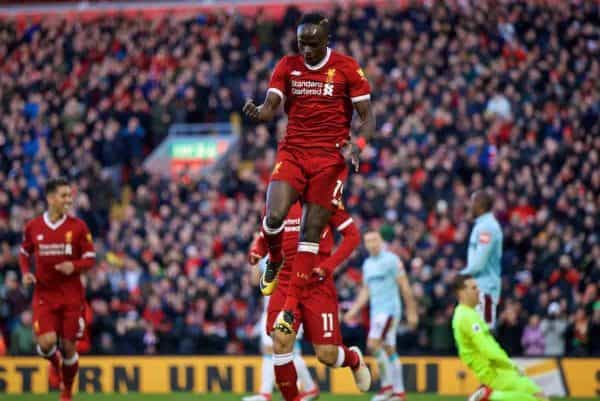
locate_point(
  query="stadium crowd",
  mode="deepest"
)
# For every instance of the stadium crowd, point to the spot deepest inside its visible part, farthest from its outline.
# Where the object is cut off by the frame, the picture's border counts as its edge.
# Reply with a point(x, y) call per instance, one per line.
point(465, 97)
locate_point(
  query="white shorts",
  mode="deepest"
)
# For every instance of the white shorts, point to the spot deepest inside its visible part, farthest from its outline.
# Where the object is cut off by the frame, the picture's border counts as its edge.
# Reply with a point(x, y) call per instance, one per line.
point(384, 327)
point(487, 309)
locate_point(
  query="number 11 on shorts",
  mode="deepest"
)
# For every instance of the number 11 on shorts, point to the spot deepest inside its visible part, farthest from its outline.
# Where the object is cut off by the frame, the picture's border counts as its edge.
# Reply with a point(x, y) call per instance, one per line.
point(327, 322)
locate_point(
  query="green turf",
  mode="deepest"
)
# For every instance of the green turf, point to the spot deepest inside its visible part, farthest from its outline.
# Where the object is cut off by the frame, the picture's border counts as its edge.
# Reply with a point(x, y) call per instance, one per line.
point(223, 397)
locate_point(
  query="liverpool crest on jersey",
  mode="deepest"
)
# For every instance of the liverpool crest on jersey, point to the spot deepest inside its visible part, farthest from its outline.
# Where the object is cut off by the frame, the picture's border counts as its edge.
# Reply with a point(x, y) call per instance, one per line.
point(330, 75)
point(68, 240)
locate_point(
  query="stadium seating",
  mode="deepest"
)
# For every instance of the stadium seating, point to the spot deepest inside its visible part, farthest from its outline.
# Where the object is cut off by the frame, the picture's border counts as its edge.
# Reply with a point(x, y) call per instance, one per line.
point(464, 97)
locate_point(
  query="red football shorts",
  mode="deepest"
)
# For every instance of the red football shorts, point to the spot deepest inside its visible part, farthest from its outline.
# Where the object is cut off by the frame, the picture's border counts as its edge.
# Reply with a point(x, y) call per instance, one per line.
point(317, 312)
point(317, 174)
point(51, 315)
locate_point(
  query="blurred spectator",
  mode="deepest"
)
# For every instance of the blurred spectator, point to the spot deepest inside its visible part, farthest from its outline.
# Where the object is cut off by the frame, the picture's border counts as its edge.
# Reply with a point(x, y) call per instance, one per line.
point(3, 349)
point(21, 341)
point(13, 299)
point(580, 333)
point(533, 338)
point(510, 331)
point(554, 326)
point(595, 331)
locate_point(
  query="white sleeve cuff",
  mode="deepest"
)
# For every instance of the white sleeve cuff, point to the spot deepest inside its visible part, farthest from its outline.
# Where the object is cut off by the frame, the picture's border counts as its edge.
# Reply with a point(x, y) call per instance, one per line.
point(357, 99)
point(89, 255)
point(277, 92)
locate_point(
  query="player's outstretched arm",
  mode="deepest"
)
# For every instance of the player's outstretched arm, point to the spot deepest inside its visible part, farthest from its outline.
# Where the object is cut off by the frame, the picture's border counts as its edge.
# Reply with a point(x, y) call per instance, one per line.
point(266, 111)
point(411, 305)
point(361, 301)
point(350, 241)
point(366, 131)
point(25, 252)
point(367, 118)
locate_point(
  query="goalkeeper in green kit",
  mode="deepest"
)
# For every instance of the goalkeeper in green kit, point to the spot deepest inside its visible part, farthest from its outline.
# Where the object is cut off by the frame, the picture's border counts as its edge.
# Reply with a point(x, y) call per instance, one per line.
point(501, 379)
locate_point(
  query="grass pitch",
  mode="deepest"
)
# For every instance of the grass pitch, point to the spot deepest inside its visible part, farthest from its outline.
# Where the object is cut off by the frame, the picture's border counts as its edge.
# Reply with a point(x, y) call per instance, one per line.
point(223, 397)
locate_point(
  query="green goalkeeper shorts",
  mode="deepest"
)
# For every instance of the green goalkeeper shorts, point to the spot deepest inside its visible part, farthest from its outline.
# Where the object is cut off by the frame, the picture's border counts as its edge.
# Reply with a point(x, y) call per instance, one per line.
point(510, 380)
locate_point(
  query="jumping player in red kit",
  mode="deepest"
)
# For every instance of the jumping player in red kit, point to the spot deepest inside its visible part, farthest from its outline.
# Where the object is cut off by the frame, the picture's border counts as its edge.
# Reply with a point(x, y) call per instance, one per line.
point(320, 89)
point(317, 306)
point(62, 249)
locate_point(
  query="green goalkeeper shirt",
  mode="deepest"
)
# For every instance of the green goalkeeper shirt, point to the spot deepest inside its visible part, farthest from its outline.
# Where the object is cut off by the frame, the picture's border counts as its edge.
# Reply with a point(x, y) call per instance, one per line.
point(477, 348)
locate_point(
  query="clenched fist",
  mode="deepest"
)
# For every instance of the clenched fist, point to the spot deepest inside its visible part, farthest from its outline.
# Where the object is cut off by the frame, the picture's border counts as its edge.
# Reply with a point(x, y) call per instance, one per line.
point(251, 110)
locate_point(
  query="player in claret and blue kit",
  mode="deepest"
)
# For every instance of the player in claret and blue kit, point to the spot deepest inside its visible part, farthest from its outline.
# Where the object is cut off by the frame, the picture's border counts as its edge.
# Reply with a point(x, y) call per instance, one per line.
point(320, 89)
point(62, 249)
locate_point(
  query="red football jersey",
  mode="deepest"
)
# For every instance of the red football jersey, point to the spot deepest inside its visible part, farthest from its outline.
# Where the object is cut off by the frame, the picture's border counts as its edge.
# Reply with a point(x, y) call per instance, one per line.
point(318, 99)
point(68, 239)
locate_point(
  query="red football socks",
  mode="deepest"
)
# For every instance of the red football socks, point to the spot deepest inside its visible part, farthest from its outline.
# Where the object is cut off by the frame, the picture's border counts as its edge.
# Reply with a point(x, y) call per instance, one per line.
point(53, 356)
point(286, 376)
point(69, 370)
point(304, 262)
point(347, 358)
point(273, 238)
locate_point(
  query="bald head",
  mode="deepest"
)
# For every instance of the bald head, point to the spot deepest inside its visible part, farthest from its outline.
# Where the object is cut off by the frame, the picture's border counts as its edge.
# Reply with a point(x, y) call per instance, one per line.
point(481, 202)
point(313, 37)
point(373, 242)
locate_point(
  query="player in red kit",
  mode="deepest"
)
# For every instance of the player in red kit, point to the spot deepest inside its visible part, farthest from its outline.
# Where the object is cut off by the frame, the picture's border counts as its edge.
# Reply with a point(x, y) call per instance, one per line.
point(62, 249)
point(320, 89)
point(317, 307)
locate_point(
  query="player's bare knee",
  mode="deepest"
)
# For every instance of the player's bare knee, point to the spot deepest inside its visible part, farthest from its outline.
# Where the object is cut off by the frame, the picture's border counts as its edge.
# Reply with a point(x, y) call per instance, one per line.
point(47, 341)
point(275, 218)
point(389, 350)
point(314, 220)
point(311, 231)
point(282, 343)
point(373, 346)
point(311, 235)
point(327, 354)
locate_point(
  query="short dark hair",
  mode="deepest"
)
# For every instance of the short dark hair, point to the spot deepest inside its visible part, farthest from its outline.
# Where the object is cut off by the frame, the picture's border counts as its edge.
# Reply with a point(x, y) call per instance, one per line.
point(459, 282)
point(54, 183)
point(488, 198)
point(315, 18)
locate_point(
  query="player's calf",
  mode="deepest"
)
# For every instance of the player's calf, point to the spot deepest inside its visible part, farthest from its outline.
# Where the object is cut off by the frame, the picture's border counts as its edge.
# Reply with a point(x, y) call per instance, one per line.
point(341, 356)
point(327, 354)
point(70, 366)
point(282, 343)
point(286, 375)
point(272, 229)
point(47, 348)
point(304, 263)
point(361, 373)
